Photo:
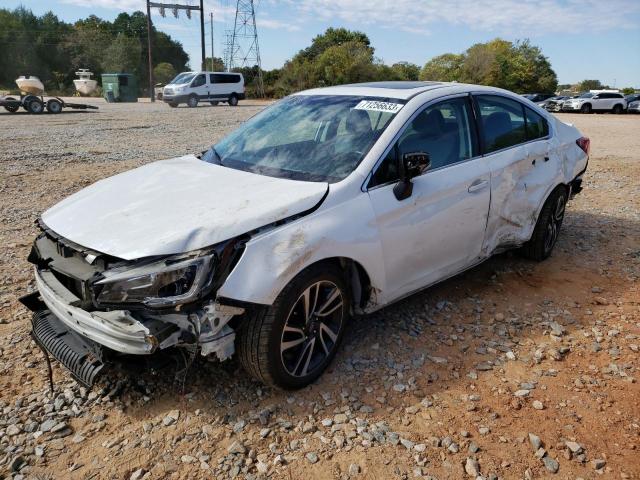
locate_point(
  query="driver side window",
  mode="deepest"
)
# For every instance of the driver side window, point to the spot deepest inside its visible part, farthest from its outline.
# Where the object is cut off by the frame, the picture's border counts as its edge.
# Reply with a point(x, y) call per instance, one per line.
point(445, 131)
point(199, 81)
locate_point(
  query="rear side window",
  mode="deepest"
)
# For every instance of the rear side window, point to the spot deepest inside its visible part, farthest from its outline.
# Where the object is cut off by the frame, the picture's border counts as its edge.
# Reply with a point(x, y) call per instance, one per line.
point(224, 78)
point(537, 126)
point(503, 123)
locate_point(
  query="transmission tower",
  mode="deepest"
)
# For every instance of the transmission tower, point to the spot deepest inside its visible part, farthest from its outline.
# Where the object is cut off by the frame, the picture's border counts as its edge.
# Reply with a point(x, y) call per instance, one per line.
point(242, 48)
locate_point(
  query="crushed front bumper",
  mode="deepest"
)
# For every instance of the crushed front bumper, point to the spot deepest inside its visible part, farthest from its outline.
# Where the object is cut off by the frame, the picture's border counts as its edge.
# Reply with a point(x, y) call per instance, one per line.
point(117, 329)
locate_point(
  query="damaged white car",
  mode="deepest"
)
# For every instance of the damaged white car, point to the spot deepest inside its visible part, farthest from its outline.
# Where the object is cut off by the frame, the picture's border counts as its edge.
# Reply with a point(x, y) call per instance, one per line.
point(329, 203)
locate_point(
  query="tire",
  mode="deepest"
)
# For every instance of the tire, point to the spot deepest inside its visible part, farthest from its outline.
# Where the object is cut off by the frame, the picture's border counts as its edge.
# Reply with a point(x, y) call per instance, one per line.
point(192, 102)
point(159, 96)
point(294, 357)
point(35, 106)
point(213, 103)
point(54, 106)
point(617, 109)
point(172, 105)
point(586, 108)
point(11, 108)
point(233, 100)
point(547, 229)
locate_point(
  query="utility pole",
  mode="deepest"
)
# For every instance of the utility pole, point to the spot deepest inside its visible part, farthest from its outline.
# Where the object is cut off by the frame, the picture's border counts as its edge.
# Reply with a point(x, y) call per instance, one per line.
point(204, 65)
point(211, 41)
point(152, 93)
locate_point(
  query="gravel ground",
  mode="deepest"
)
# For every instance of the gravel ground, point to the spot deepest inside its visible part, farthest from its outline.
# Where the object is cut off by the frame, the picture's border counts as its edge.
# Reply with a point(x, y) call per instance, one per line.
point(511, 370)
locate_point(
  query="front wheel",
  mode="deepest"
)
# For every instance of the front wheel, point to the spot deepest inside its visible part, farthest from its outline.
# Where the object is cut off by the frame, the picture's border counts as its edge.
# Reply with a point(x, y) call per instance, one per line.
point(11, 108)
point(291, 343)
point(547, 229)
point(192, 101)
point(585, 108)
point(617, 109)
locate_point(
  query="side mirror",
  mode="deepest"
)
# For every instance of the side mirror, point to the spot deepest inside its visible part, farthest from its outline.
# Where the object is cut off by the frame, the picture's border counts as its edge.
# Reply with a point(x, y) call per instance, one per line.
point(596, 97)
point(411, 165)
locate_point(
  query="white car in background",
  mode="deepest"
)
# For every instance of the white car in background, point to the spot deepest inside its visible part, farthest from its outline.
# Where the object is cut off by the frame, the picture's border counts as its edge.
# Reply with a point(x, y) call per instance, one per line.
point(212, 87)
point(596, 102)
point(329, 203)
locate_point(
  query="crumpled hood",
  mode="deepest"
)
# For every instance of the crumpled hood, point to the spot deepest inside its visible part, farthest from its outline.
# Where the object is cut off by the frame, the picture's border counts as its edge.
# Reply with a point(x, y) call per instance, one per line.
point(175, 206)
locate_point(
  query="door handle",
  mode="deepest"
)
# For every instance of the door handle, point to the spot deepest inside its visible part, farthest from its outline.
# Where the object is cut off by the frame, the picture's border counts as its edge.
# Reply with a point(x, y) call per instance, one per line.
point(477, 186)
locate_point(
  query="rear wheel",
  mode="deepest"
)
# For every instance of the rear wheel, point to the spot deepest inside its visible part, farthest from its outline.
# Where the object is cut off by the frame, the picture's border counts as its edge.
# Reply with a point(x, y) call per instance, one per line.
point(54, 106)
point(213, 103)
point(586, 108)
point(233, 100)
point(617, 109)
point(291, 343)
point(192, 101)
point(547, 229)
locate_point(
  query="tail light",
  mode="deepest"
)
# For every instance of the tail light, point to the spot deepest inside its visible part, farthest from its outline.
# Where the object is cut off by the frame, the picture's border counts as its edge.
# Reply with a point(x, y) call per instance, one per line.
point(585, 144)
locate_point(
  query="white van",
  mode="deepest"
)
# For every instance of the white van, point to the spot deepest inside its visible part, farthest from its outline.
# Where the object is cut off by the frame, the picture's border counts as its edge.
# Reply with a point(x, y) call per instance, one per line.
point(212, 87)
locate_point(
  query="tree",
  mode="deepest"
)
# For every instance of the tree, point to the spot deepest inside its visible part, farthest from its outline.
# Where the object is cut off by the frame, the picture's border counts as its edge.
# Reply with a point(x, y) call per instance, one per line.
point(164, 72)
point(518, 66)
point(628, 91)
point(123, 55)
point(443, 68)
point(586, 85)
point(217, 66)
point(349, 62)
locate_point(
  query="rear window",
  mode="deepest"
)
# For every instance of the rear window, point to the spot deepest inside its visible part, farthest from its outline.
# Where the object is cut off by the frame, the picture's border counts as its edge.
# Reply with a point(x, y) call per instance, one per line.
point(536, 126)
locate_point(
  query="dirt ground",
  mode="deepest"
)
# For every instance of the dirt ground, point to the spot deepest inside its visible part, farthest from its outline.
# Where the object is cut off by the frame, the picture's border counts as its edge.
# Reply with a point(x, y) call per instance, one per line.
point(459, 381)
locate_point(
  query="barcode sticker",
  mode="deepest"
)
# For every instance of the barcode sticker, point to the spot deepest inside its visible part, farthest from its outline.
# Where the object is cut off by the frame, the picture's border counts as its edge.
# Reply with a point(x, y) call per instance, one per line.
point(376, 106)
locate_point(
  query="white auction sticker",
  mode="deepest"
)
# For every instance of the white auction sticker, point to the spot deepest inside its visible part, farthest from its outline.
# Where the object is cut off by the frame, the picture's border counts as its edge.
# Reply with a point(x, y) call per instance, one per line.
point(377, 106)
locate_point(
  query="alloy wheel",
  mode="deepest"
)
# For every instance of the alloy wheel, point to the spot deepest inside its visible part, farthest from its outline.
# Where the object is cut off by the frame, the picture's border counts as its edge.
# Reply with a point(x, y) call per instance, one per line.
point(310, 333)
point(554, 223)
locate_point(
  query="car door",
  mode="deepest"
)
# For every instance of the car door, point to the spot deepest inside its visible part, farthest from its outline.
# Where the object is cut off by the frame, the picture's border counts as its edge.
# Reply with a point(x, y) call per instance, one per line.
point(515, 142)
point(438, 230)
point(200, 87)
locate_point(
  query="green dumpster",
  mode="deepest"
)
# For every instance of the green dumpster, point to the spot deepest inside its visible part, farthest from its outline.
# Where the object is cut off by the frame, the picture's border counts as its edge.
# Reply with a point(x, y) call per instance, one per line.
point(119, 87)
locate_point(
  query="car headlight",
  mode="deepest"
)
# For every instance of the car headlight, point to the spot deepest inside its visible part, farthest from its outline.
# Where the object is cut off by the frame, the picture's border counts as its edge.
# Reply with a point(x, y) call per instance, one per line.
point(164, 283)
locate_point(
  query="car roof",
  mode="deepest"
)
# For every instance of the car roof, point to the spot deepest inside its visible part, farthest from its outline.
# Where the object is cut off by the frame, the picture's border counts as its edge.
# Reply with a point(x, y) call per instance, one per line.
point(402, 90)
point(397, 89)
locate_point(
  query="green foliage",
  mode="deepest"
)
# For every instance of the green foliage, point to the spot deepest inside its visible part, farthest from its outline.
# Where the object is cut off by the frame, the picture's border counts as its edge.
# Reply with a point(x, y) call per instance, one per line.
point(443, 68)
point(217, 66)
point(123, 55)
point(164, 72)
point(520, 67)
point(628, 91)
point(54, 50)
point(586, 85)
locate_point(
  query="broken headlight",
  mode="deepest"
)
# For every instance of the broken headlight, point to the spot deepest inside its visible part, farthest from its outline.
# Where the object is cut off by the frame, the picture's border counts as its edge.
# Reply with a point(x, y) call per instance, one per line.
point(163, 283)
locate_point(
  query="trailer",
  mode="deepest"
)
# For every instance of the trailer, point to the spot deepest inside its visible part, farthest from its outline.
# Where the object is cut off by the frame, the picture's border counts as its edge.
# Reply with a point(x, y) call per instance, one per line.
point(38, 104)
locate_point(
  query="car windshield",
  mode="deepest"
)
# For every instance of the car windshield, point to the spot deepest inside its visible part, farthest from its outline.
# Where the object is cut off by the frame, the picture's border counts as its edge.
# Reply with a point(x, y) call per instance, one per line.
point(184, 77)
point(586, 95)
point(307, 137)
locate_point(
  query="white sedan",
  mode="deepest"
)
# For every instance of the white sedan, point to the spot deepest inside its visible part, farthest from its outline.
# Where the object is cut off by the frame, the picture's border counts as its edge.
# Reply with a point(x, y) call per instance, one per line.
point(329, 203)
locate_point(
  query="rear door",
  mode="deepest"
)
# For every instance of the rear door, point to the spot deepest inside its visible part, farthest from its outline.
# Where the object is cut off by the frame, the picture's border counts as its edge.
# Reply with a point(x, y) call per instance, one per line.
point(437, 231)
point(515, 142)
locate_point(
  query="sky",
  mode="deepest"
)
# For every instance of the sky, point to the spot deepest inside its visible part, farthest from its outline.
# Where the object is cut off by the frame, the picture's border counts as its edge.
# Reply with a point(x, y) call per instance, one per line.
point(583, 39)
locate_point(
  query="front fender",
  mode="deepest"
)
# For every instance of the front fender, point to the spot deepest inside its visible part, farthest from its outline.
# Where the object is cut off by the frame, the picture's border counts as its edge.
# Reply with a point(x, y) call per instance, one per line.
point(273, 258)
